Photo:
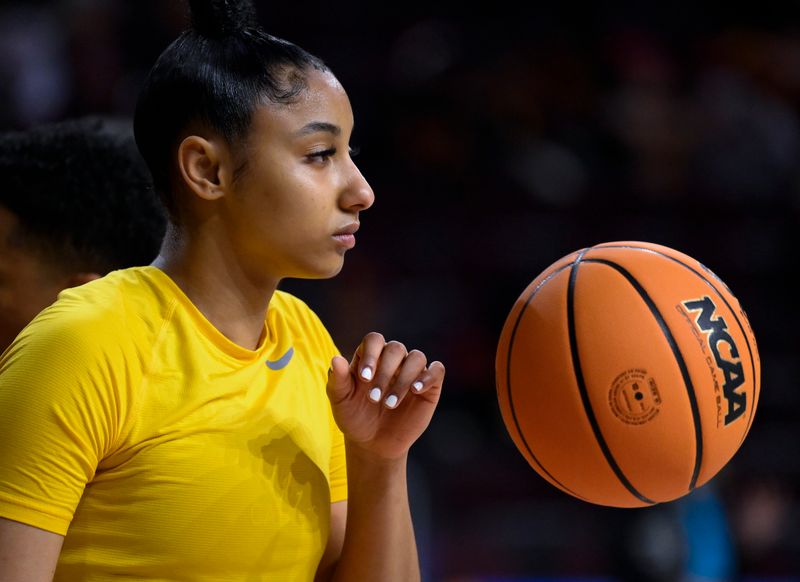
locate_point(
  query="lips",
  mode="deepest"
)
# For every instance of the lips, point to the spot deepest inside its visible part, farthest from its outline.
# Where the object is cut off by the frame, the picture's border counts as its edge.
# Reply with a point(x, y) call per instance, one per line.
point(346, 236)
point(349, 229)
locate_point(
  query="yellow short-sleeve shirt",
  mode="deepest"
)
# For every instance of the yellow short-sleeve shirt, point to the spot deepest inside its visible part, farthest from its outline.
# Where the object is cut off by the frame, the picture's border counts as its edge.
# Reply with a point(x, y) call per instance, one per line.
point(162, 450)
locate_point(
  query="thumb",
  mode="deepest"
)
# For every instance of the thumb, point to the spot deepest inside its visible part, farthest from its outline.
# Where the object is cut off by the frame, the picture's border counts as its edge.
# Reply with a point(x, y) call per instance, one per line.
point(340, 382)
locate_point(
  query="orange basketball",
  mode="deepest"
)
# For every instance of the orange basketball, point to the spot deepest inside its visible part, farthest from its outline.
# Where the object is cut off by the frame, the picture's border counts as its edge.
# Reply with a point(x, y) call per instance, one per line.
point(627, 374)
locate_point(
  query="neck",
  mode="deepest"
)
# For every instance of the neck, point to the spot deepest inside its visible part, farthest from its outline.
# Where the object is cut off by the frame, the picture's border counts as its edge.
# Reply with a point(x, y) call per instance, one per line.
point(230, 296)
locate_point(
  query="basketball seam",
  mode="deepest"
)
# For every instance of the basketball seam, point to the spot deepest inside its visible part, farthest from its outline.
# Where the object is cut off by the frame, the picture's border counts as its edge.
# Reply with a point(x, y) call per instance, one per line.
point(673, 344)
point(587, 405)
point(508, 381)
point(756, 386)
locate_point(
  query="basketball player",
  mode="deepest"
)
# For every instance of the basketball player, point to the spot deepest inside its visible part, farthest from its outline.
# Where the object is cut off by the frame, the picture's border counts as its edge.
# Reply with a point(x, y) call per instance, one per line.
point(75, 203)
point(171, 421)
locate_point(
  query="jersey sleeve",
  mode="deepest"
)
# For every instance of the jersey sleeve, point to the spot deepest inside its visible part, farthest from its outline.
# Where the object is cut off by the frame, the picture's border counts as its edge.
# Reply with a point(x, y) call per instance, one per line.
point(59, 414)
point(338, 471)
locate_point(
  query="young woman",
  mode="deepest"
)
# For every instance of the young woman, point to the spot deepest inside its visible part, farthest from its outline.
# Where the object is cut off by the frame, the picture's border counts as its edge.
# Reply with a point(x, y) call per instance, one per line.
point(188, 420)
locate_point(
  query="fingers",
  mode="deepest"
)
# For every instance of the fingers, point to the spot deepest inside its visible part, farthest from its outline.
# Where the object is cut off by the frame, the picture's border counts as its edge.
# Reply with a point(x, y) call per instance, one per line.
point(406, 373)
point(365, 360)
point(340, 383)
point(431, 379)
point(387, 363)
point(388, 372)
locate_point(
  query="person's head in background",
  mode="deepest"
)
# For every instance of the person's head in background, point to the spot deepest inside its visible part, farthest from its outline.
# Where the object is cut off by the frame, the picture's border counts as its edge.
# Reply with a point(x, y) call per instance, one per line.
point(76, 202)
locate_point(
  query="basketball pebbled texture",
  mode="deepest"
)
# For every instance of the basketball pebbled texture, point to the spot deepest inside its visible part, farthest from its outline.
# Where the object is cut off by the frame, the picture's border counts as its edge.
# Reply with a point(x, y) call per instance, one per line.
point(627, 374)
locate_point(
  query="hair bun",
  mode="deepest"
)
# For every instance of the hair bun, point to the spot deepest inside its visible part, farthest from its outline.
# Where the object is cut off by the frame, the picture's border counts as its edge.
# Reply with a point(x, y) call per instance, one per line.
point(217, 18)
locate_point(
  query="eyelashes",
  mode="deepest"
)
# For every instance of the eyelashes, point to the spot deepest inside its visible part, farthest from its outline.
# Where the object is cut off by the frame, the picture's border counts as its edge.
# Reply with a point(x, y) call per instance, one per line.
point(326, 154)
point(321, 155)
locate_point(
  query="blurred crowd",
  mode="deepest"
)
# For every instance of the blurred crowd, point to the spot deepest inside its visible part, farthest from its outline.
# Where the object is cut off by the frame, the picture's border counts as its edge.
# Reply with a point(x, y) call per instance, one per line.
point(498, 139)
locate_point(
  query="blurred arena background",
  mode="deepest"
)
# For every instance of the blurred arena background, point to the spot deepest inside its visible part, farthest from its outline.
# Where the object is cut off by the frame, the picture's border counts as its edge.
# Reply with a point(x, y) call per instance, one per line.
point(499, 138)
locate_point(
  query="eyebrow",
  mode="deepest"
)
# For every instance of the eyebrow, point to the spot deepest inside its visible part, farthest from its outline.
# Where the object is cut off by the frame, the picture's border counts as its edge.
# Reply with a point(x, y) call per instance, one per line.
point(317, 126)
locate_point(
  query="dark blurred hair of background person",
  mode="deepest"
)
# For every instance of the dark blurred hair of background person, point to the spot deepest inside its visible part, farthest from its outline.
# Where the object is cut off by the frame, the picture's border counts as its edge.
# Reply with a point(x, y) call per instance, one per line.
point(512, 134)
point(76, 202)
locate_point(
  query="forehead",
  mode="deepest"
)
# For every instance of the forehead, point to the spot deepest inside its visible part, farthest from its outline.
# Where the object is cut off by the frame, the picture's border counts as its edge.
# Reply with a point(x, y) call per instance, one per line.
point(322, 100)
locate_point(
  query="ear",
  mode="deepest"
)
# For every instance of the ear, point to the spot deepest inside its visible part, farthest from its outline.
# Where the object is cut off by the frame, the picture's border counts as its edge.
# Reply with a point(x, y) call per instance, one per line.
point(203, 166)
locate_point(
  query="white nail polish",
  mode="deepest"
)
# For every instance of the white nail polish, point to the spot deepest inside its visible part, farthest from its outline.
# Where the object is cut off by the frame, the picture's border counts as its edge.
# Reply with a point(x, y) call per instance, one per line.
point(366, 373)
point(417, 386)
point(391, 401)
point(375, 394)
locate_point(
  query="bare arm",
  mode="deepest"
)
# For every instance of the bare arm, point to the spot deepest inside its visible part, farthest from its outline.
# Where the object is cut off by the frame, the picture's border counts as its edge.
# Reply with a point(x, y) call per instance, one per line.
point(382, 413)
point(333, 550)
point(27, 554)
point(379, 541)
point(372, 536)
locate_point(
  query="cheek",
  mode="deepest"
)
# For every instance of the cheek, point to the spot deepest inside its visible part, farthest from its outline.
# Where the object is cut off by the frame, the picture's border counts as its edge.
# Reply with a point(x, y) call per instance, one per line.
point(23, 305)
point(15, 313)
point(292, 206)
point(25, 289)
point(303, 212)
point(26, 293)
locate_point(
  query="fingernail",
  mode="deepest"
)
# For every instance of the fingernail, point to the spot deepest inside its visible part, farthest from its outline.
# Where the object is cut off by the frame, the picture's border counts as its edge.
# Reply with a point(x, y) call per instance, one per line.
point(375, 394)
point(366, 373)
point(417, 386)
point(391, 401)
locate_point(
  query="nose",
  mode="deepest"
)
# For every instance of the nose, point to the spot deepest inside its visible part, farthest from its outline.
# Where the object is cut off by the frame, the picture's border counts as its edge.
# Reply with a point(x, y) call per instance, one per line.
point(358, 194)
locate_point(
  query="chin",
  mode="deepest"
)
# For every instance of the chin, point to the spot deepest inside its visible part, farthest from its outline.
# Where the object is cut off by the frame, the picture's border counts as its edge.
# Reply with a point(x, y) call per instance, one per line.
point(320, 271)
point(333, 272)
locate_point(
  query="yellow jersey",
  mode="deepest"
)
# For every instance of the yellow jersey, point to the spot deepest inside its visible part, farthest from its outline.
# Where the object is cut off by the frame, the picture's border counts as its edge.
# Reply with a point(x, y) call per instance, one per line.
point(161, 449)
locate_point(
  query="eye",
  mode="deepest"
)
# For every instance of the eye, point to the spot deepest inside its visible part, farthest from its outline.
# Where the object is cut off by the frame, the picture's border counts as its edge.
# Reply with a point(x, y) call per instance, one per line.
point(321, 156)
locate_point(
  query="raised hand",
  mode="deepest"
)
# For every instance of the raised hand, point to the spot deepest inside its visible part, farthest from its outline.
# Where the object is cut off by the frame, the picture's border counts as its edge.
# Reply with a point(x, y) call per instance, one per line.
point(385, 397)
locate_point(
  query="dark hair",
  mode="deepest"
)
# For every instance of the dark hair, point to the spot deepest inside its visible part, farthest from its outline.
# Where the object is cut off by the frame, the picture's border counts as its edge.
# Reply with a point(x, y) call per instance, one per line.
point(216, 73)
point(82, 195)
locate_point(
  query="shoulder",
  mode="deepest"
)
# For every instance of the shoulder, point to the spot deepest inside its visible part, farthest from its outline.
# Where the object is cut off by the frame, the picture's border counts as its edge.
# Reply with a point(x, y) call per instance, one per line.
point(79, 358)
point(87, 322)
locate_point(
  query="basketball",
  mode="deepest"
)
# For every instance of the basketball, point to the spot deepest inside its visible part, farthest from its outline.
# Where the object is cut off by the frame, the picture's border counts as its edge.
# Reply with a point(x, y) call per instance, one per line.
point(627, 374)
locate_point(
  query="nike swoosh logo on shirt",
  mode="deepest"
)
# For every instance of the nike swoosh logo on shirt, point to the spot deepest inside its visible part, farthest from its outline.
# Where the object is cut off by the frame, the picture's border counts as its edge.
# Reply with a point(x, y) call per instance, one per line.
point(281, 362)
